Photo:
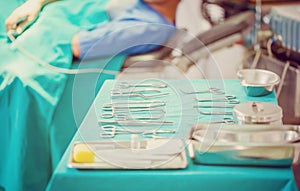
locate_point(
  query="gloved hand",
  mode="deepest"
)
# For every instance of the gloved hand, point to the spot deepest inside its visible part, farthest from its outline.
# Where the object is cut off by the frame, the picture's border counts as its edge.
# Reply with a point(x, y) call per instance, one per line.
point(23, 15)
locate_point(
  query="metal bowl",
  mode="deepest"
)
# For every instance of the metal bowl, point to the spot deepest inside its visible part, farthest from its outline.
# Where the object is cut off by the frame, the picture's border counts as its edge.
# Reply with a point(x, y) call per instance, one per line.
point(258, 82)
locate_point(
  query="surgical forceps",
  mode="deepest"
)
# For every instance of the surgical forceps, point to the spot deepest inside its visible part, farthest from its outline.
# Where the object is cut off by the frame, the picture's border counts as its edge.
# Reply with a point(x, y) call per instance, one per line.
point(227, 98)
point(110, 131)
point(154, 85)
point(215, 91)
point(137, 93)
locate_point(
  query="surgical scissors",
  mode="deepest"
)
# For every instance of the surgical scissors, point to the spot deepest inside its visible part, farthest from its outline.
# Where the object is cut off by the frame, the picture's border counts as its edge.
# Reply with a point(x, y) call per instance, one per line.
point(110, 131)
point(215, 91)
point(227, 98)
point(155, 85)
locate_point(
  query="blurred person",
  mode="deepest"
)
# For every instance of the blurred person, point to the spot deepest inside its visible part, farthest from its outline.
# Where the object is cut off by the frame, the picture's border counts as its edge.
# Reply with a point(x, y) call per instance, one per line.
point(140, 28)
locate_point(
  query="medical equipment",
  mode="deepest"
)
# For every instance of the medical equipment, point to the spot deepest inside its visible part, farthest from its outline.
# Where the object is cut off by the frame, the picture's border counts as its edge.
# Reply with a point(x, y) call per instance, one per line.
point(226, 120)
point(132, 102)
point(227, 98)
point(255, 145)
point(154, 85)
point(136, 123)
point(215, 91)
point(133, 105)
point(285, 22)
point(146, 110)
point(281, 54)
point(135, 110)
point(215, 112)
point(258, 82)
point(215, 106)
point(127, 116)
point(258, 113)
point(134, 91)
point(115, 106)
point(111, 130)
point(188, 51)
point(137, 93)
point(150, 154)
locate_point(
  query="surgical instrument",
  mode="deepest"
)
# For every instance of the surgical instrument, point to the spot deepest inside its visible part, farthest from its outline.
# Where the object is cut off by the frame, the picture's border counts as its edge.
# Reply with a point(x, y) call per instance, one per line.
point(215, 112)
point(127, 116)
point(227, 98)
point(226, 120)
point(155, 85)
point(136, 123)
point(132, 91)
point(110, 107)
point(136, 94)
point(215, 91)
point(215, 106)
point(128, 102)
point(110, 131)
point(112, 112)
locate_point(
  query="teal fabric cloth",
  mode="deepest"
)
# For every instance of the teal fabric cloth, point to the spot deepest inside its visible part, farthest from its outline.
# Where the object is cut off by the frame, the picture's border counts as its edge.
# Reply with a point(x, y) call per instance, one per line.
point(180, 110)
point(30, 93)
point(78, 95)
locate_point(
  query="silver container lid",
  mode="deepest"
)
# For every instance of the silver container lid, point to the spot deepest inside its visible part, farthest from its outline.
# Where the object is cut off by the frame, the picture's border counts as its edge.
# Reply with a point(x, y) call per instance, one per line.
point(257, 112)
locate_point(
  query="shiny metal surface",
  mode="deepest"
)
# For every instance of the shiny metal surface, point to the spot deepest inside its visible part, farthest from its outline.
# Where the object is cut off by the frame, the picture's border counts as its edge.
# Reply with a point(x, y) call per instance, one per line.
point(258, 82)
point(215, 91)
point(257, 113)
point(231, 99)
point(258, 145)
point(116, 154)
point(289, 99)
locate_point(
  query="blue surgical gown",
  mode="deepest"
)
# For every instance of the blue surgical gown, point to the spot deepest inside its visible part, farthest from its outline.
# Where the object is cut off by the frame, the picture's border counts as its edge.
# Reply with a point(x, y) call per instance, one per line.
point(136, 30)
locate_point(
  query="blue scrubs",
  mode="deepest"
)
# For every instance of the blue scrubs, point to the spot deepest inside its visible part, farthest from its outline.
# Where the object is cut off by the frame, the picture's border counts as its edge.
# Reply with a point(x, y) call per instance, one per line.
point(136, 30)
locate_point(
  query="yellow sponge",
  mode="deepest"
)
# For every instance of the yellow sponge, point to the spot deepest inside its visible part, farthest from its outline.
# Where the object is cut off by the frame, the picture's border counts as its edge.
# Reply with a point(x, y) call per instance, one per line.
point(82, 153)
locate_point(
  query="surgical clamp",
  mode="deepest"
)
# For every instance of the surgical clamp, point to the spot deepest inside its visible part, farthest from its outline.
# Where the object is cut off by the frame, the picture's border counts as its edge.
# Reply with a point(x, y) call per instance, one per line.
point(215, 91)
point(110, 131)
point(154, 85)
point(227, 98)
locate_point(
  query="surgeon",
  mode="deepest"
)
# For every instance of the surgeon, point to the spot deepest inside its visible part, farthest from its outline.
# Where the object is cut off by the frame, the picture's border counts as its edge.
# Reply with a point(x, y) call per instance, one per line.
point(137, 29)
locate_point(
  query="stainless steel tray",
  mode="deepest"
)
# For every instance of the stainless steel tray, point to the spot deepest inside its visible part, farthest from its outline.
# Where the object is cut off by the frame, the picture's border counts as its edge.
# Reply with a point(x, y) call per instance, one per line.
point(145, 154)
point(259, 145)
